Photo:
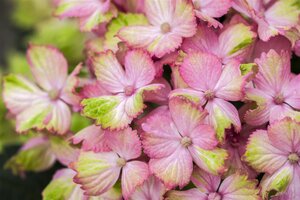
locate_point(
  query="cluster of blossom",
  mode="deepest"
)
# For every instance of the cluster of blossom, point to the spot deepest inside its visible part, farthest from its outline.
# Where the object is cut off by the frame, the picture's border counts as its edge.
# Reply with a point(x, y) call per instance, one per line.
point(226, 116)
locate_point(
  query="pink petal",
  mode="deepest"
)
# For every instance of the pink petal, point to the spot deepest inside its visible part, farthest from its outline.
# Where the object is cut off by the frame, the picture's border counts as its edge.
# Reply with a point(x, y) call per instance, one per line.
point(139, 68)
point(151, 189)
point(262, 155)
point(207, 182)
point(231, 83)
point(193, 95)
point(175, 169)
point(96, 172)
point(49, 67)
point(134, 174)
point(109, 72)
point(201, 71)
point(93, 89)
point(160, 137)
point(186, 115)
point(190, 194)
point(213, 8)
point(293, 191)
point(292, 92)
point(211, 21)
point(203, 136)
point(285, 135)
point(126, 143)
point(93, 138)
point(160, 96)
point(278, 112)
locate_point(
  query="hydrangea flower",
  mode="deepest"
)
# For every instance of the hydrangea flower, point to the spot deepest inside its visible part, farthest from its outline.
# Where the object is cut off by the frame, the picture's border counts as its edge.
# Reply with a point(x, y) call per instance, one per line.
point(275, 89)
point(63, 187)
point(207, 10)
point(125, 99)
point(170, 21)
point(45, 105)
point(273, 18)
point(91, 13)
point(176, 138)
point(233, 42)
point(212, 85)
point(99, 172)
point(234, 187)
point(276, 152)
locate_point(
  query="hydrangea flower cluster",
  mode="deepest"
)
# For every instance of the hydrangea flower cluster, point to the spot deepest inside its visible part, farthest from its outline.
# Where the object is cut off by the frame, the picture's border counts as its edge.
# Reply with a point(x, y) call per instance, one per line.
point(188, 99)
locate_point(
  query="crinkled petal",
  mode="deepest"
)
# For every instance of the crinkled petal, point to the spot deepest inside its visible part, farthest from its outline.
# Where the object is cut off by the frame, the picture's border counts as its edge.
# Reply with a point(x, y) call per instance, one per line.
point(262, 155)
point(48, 66)
point(108, 111)
point(192, 95)
point(186, 115)
point(93, 138)
point(206, 182)
point(96, 172)
point(201, 71)
point(109, 72)
point(191, 194)
point(139, 68)
point(175, 169)
point(19, 93)
point(126, 143)
point(238, 187)
point(134, 174)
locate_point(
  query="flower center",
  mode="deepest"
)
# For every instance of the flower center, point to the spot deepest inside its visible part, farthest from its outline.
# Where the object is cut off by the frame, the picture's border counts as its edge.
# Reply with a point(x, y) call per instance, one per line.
point(53, 94)
point(279, 99)
point(165, 27)
point(186, 141)
point(129, 90)
point(214, 196)
point(121, 162)
point(293, 158)
point(209, 95)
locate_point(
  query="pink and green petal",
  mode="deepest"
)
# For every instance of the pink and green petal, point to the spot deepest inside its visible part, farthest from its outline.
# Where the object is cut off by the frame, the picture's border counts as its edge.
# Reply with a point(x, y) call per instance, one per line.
point(139, 68)
point(190, 194)
point(93, 138)
point(278, 182)
point(204, 181)
point(175, 169)
point(201, 71)
point(96, 172)
point(212, 161)
point(134, 174)
point(262, 155)
point(108, 111)
point(238, 187)
point(19, 93)
point(186, 115)
point(109, 72)
point(49, 67)
point(194, 96)
point(126, 143)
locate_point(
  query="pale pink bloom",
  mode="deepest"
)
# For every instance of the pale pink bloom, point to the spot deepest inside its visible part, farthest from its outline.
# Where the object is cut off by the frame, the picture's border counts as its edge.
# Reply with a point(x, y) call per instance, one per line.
point(98, 172)
point(277, 153)
point(213, 85)
point(91, 13)
point(275, 89)
point(207, 10)
point(45, 105)
point(152, 189)
point(125, 88)
point(175, 138)
point(232, 42)
point(170, 21)
point(273, 18)
point(211, 187)
point(63, 187)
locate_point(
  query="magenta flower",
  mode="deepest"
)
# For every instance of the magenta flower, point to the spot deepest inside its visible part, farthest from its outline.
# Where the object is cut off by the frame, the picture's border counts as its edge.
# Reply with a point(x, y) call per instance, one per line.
point(98, 172)
point(176, 138)
point(207, 10)
point(272, 17)
point(232, 42)
point(170, 21)
point(91, 13)
point(126, 88)
point(275, 90)
point(276, 152)
point(45, 105)
point(212, 86)
point(210, 187)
